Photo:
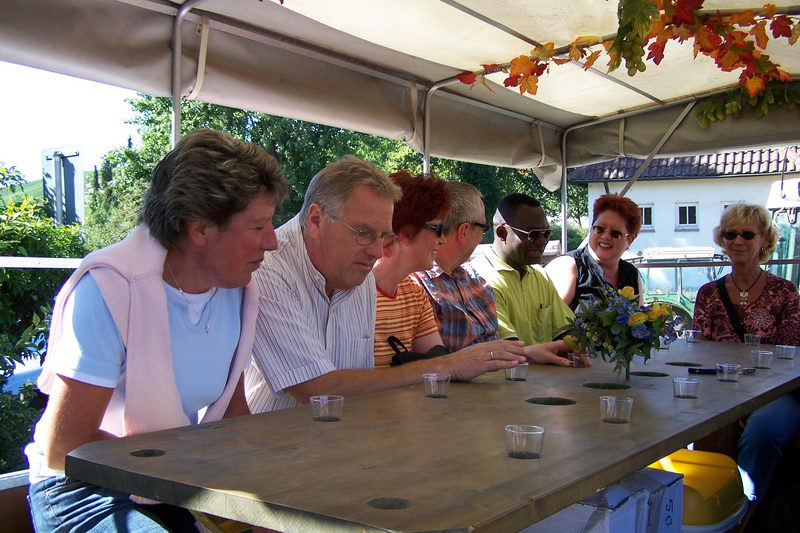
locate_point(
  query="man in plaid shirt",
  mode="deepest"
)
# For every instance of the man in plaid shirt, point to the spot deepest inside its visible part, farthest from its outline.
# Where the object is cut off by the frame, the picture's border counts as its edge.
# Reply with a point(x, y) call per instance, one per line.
point(463, 301)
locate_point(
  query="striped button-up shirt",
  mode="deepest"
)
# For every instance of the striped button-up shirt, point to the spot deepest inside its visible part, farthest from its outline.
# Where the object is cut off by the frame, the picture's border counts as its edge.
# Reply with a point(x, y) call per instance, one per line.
point(302, 334)
point(464, 305)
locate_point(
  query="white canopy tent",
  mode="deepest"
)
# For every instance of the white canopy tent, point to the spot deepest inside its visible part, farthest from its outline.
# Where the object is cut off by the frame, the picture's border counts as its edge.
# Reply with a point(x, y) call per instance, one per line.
point(373, 65)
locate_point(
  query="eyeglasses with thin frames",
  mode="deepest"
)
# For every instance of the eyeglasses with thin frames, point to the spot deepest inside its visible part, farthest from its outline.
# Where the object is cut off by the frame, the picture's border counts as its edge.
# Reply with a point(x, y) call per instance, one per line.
point(747, 235)
point(533, 234)
point(615, 233)
point(367, 237)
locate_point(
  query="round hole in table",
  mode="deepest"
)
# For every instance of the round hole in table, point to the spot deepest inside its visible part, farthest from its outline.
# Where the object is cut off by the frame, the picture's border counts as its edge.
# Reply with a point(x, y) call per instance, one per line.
point(148, 452)
point(390, 504)
point(551, 400)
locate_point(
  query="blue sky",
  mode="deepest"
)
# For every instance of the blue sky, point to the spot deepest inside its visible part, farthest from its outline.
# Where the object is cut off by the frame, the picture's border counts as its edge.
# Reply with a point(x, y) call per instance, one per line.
point(39, 110)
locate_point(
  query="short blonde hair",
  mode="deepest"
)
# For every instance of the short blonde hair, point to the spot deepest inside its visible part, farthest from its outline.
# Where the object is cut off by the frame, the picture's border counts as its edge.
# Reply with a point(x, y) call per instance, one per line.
point(332, 186)
point(749, 214)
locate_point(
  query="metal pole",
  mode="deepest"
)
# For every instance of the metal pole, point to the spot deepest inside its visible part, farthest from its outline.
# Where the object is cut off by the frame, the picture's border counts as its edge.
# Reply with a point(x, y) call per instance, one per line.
point(426, 120)
point(176, 66)
point(58, 204)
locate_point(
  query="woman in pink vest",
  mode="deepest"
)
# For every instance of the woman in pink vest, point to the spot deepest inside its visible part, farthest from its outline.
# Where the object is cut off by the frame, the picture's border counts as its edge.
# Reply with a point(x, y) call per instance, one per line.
point(153, 332)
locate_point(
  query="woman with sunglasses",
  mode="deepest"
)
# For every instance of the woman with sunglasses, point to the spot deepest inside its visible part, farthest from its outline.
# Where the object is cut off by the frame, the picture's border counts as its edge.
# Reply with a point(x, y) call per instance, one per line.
point(751, 300)
point(598, 266)
point(404, 310)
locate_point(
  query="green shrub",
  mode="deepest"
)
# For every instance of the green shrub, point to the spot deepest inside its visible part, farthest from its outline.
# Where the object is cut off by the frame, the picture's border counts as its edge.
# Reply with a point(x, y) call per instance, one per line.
point(26, 296)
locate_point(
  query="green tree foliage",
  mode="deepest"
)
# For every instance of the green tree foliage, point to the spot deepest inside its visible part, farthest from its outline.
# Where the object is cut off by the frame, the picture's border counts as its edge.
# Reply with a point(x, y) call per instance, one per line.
point(302, 148)
point(25, 301)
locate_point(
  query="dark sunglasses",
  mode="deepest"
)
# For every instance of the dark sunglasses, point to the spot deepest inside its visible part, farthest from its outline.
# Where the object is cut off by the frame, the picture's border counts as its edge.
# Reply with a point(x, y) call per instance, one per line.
point(438, 229)
point(533, 234)
point(746, 235)
point(484, 227)
point(615, 233)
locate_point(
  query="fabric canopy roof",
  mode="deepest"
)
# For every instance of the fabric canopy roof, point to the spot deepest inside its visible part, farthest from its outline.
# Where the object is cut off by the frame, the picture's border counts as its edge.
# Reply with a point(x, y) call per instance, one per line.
point(367, 64)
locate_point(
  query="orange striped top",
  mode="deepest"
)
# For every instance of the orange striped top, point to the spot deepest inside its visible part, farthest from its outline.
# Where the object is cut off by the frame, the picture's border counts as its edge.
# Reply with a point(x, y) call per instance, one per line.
point(407, 315)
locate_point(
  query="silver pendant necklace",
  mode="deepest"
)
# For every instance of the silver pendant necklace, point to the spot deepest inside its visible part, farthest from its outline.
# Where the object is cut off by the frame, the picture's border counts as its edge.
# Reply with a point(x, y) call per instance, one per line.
point(744, 294)
point(206, 326)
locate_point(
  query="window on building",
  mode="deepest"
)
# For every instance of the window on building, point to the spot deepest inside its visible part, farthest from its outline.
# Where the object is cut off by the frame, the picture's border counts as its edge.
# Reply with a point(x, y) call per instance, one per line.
point(687, 216)
point(647, 217)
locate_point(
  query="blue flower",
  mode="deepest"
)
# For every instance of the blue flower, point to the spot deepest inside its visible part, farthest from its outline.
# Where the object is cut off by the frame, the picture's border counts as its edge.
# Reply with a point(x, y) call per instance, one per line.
point(641, 331)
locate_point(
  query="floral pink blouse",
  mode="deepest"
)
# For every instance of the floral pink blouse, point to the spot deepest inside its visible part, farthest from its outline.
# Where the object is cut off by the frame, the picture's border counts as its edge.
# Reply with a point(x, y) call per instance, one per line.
point(775, 315)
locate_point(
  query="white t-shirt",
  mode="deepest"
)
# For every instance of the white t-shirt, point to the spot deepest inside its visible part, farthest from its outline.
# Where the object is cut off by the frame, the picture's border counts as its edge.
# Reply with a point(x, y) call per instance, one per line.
point(204, 332)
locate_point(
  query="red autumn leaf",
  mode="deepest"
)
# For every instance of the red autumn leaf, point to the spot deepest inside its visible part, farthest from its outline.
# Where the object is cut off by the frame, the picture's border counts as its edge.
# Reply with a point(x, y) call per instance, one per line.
point(728, 61)
point(781, 26)
point(656, 49)
point(684, 11)
point(759, 31)
point(561, 60)
point(768, 10)
point(739, 38)
point(539, 69)
point(591, 59)
point(707, 40)
point(754, 85)
point(511, 81)
point(490, 67)
point(745, 18)
point(467, 78)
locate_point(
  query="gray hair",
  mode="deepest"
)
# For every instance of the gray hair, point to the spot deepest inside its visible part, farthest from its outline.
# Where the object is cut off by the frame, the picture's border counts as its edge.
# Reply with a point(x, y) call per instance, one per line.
point(208, 177)
point(465, 205)
point(332, 186)
point(744, 214)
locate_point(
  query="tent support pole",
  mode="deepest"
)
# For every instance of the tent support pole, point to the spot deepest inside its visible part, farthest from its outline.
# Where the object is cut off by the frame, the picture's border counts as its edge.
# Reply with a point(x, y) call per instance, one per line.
point(426, 122)
point(657, 148)
point(689, 104)
point(177, 46)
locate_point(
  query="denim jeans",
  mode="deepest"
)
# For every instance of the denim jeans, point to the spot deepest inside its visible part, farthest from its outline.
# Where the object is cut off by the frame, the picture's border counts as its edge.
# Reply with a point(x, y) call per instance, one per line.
point(62, 504)
point(768, 430)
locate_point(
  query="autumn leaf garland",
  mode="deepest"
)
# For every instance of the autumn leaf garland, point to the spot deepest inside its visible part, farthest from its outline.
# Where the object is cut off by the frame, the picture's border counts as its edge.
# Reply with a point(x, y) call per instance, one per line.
point(735, 41)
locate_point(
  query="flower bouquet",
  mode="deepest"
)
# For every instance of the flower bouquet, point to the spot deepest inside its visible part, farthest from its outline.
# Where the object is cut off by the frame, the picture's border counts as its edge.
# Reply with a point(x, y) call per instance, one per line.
point(617, 328)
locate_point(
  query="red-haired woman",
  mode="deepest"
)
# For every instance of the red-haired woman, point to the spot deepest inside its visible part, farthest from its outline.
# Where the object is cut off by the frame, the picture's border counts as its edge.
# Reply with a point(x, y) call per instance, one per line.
point(616, 222)
point(404, 310)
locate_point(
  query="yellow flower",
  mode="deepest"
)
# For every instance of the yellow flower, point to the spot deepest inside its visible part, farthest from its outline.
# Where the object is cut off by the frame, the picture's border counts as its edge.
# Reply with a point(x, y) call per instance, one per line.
point(637, 318)
point(627, 293)
point(657, 311)
point(571, 343)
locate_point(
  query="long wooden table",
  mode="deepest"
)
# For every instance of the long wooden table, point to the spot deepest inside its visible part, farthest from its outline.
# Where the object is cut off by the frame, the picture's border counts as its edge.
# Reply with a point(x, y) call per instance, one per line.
point(398, 461)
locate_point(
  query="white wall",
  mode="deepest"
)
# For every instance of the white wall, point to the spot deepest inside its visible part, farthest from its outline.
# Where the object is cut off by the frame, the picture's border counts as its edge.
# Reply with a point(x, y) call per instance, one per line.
point(664, 195)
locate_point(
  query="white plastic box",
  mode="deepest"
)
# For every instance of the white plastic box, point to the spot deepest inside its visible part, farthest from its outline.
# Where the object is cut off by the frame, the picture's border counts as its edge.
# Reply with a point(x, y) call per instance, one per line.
point(648, 501)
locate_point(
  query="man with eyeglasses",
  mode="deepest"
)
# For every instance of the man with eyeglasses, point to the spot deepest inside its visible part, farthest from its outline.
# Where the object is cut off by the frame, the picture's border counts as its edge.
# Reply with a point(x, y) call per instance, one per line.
point(528, 306)
point(464, 301)
point(316, 327)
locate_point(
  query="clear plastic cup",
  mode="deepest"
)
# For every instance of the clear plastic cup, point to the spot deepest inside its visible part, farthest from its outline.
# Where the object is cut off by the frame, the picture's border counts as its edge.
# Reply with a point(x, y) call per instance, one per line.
point(785, 351)
point(752, 340)
point(517, 373)
point(524, 441)
point(761, 359)
point(615, 409)
point(327, 408)
point(436, 385)
point(685, 388)
point(728, 372)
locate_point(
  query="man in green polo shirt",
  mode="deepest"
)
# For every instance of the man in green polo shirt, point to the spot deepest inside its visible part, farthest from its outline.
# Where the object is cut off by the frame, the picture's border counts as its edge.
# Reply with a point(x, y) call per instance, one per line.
point(528, 306)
